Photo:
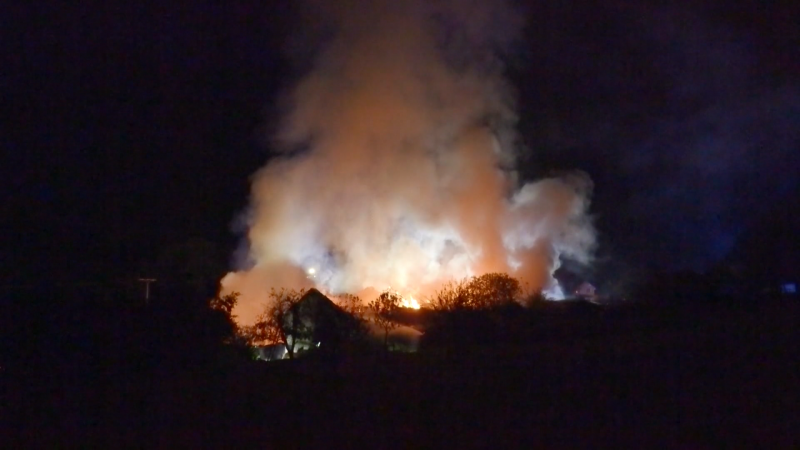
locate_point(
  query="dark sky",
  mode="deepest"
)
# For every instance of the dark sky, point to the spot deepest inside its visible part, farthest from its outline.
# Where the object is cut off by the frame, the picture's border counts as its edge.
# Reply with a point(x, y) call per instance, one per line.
point(130, 126)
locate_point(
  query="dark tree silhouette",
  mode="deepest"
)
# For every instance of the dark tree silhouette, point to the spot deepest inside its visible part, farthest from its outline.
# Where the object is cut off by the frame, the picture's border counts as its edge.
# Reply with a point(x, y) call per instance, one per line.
point(482, 292)
point(280, 322)
point(492, 289)
point(225, 303)
point(383, 309)
point(478, 310)
point(534, 299)
point(354, 306)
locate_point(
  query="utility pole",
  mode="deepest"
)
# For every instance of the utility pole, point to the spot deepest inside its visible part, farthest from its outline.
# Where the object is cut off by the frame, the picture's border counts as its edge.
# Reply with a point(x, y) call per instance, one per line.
point(147, 282)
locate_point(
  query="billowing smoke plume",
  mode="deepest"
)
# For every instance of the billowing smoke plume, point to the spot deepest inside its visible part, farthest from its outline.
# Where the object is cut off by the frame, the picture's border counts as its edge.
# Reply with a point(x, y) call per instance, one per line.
point(397, 170)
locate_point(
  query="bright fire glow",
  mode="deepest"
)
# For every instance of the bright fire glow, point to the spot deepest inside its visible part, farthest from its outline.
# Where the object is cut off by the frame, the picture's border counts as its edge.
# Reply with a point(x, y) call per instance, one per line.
point(409, 302)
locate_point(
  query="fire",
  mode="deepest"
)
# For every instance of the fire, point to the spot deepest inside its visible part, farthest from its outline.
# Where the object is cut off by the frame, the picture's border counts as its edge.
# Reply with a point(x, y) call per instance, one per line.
point(407, 176)
point(409, 302)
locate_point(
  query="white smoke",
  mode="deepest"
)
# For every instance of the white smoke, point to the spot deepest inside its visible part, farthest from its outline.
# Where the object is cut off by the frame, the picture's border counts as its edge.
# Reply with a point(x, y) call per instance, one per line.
point(406, 179)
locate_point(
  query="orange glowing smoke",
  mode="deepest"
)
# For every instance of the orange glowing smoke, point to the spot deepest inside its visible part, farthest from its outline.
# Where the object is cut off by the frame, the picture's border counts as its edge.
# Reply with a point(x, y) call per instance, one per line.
point(408, 177)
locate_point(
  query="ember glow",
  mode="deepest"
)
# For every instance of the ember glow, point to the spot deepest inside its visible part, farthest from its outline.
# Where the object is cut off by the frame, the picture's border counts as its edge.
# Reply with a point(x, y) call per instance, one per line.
point(406, 174)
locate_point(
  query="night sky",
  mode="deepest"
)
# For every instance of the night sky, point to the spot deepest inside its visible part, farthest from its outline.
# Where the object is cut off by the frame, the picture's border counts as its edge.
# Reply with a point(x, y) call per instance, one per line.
point(128, 127)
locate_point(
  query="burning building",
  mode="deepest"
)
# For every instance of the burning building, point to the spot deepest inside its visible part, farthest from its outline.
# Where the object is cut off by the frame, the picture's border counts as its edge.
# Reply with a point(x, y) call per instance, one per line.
point(397, 163)
point(316, 322)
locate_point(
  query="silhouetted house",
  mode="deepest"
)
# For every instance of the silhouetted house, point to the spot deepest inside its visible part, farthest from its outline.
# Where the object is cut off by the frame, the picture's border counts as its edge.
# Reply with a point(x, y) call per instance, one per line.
point(325, 327)
point(323, 323)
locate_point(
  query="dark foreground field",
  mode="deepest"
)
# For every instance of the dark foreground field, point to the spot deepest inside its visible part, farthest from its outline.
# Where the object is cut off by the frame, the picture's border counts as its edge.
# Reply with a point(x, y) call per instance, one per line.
point(711, 377)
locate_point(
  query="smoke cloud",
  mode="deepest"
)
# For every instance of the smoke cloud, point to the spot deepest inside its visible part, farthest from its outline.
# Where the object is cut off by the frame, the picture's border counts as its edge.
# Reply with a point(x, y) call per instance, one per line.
point(397, 163)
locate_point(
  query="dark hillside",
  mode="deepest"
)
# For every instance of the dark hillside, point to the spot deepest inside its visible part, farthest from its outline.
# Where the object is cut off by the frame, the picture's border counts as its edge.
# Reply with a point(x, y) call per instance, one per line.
point(645, 376)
